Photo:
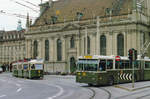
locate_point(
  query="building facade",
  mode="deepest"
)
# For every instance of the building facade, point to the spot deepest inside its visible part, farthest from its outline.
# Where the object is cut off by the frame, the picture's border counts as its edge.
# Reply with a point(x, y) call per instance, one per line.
point(67, 29)
point(12, 46)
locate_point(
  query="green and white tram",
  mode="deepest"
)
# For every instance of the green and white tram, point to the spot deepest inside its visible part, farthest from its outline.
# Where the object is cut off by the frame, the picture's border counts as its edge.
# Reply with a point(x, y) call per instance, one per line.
point(36, 69)
point(15, 70)
point(104, 70)
point(29, 69)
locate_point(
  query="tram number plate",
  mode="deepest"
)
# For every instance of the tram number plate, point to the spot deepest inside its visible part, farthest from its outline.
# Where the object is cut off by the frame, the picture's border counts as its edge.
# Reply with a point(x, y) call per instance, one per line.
point(39, 71)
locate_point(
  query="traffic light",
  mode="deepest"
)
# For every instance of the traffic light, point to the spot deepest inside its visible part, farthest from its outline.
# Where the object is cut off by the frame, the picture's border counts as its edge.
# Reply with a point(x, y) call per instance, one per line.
point(130, 53)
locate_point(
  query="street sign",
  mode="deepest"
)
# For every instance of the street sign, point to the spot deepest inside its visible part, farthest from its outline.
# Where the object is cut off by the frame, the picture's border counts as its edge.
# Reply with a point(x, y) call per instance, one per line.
point(117, 58)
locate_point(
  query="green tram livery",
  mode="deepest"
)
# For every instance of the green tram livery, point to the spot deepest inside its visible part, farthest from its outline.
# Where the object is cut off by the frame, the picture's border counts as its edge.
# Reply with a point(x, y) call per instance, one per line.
point(105, 70)
point(33, 68)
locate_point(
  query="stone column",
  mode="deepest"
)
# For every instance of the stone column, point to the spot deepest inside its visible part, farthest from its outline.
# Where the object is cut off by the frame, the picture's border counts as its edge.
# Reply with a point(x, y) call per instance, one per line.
point(125, 44)
point(52, 52)
point(64, 48)
point(42, 48)
point(98, 36)
point(78, 44)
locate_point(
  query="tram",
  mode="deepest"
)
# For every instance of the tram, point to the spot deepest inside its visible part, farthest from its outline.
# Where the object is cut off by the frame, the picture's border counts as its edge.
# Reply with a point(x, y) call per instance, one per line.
point(105, 70)
point(33, 68)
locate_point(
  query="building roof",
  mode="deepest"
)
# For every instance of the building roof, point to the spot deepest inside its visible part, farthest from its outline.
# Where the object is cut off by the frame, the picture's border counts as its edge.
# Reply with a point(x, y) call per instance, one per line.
point(69, 10)
point(14, 31)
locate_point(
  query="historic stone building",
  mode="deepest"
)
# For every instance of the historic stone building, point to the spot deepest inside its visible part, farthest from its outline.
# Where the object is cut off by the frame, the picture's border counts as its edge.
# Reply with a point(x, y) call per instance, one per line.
point(67, 29)
point(12, 45)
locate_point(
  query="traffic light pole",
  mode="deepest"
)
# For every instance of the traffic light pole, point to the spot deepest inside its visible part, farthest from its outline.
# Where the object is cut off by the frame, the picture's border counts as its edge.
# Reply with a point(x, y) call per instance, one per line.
point(132, 57)
point(132, 74)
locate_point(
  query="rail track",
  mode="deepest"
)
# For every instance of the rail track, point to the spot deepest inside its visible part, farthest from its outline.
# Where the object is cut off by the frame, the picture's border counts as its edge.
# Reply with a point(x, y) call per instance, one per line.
point(109, 94)
point(135, 93)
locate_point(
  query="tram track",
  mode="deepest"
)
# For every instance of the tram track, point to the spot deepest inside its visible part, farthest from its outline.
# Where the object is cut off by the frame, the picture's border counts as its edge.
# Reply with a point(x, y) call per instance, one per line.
point(135, 93)
point(94, 93)
point(142, 97)
point(105, 90)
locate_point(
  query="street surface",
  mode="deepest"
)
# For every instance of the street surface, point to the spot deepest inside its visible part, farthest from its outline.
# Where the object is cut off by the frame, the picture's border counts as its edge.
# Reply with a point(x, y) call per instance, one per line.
point(64, 87)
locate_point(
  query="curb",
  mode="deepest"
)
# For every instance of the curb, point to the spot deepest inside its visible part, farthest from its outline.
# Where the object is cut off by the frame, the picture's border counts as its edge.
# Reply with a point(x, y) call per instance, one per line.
point(130, 89)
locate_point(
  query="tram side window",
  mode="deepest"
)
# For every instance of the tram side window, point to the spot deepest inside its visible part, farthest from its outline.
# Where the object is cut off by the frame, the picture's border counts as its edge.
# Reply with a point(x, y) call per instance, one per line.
point(126, 64)
point(123, 64)
point(147, 64)
point(137, 64)
point(102, 65)
point(109, 64)
point(119, 65)
point(25, 66)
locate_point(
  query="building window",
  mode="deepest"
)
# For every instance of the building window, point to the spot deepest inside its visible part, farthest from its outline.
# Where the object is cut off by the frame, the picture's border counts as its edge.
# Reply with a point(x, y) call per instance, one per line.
point(72, 43)
point(103, 45)
point(120, 45)
point(88, 45)
point(59, 50)
point(35, 53)
point(46, 50)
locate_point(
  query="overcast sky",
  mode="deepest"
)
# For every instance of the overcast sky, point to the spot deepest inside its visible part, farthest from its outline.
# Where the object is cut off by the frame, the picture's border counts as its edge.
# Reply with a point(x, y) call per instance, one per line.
point(9, 22)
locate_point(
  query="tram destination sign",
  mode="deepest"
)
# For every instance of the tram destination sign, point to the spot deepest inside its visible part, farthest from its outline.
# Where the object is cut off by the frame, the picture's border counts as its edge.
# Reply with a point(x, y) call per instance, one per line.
point(117, 58)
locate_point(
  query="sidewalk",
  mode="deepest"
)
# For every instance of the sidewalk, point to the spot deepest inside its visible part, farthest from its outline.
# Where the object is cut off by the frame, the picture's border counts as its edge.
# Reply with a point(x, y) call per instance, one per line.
point(137, 85)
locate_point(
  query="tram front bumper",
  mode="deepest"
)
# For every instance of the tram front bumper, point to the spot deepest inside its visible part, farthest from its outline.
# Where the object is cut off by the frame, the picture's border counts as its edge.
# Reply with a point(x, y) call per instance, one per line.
point(89, 78)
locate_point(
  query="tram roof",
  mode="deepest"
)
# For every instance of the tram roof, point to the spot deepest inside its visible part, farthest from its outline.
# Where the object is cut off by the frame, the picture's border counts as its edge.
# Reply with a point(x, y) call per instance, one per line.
point(102, 57)
point(37, 61)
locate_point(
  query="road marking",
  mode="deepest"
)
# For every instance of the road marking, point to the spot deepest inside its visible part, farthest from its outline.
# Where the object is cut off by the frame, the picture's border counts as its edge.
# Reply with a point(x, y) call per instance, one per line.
point(3, 80)
point(18, 90)
point(58, 94)
point(2, 96)
point(68, 94)
point(18, 85)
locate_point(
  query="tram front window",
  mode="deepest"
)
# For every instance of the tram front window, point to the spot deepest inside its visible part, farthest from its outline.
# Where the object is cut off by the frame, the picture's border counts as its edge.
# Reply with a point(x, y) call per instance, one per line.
point(90, 67)
point(33, 66)
point(80, 67)
point(87, 65)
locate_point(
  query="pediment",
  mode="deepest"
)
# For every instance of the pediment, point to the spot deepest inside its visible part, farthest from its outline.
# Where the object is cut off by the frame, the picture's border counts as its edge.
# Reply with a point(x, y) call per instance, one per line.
point(70, 26)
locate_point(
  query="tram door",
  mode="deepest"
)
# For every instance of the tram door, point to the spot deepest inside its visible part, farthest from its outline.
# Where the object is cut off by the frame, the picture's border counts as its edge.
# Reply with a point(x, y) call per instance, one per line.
point(102, 65)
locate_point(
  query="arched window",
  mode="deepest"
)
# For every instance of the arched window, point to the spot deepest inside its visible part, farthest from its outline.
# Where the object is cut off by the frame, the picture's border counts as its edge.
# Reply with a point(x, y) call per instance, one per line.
point(72, 65)
point(35, 54)
point(120, 44)
point(59, 50)
point(103, 45)
point(88, 45)
point(72, 43)
point(46, 50)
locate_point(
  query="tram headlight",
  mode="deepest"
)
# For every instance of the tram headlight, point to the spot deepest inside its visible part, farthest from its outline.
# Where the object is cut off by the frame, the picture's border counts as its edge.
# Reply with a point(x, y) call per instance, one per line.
point(39, 71)
point(79, 74)
point(83, 74)
point(100, 78)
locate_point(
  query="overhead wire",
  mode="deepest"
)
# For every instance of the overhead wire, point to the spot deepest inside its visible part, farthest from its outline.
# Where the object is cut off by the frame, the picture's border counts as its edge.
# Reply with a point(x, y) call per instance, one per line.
point(16, 15)
point(25, 6)
point(31, 3)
